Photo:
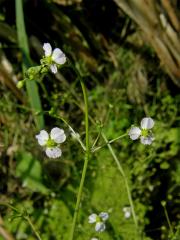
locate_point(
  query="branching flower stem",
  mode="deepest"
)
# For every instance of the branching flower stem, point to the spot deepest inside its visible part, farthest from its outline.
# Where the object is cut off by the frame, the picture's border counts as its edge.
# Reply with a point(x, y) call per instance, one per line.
point(111, 141)
point(86, 159)
point(67, 124)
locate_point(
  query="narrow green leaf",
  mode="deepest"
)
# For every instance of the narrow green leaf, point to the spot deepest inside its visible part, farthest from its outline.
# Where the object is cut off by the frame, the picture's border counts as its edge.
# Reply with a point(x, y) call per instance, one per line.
point(31, 86)
point(29, 170)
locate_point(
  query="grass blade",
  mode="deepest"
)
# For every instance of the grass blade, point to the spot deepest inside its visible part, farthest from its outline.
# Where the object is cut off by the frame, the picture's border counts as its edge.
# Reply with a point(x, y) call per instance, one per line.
point(31, 86)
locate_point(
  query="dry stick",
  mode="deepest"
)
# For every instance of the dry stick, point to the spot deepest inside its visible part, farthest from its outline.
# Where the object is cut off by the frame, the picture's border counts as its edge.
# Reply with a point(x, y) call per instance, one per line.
point(146, 16)
point(169, 9)
point(4, 232)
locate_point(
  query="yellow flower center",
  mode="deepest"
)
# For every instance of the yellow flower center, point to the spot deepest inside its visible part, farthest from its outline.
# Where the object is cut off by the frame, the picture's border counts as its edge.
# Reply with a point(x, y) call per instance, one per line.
point(144, 132)
point(49, 60)
point(50, 143)
point(98, 219)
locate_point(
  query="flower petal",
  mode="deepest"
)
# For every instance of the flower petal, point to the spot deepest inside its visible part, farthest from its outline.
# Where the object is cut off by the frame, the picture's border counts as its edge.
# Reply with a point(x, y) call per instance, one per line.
point(47, 49)
point(127, 214)
point(147, 140)
point(54, 152)
point(53, 68)
point(125, 209)
point(104, 216)
point(147, 123)
point(42, 137)
point(134, 133)
point(92, 218)
point(61, 60)
point(58, 56)
point(58, 135)
point(100, 227)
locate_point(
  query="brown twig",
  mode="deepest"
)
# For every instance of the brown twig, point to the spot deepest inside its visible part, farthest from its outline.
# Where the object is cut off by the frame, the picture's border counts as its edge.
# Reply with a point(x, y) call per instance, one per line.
point(4, 232)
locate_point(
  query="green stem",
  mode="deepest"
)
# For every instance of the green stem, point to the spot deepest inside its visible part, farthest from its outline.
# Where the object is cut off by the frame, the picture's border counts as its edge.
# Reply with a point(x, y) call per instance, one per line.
point(111, 141)
point(125, 179)
point(71, 129)
point(9, 205)
point(167, 218)
point(27, 218)
point(87, 153)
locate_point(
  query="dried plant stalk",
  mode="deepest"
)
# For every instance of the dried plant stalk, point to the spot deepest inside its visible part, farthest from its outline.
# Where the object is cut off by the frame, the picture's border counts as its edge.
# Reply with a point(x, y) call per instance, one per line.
point(160, 25)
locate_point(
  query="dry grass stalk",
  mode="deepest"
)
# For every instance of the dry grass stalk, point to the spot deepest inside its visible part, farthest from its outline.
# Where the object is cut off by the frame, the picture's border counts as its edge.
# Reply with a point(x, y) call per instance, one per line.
point(160, 25)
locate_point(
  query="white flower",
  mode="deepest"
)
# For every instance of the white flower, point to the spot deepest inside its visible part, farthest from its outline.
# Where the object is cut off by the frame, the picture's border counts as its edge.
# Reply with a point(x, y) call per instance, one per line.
point(53, 58)
point(51, 141)
point(99, 220)
point(94, 238)
point(100, 227)
point(127, 212)
point(104, 216)
point(145, 133)
point(92, 218)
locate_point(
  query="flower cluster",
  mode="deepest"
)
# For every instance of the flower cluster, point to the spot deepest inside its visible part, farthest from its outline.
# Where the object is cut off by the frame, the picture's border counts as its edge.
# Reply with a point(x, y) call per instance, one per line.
point(144, 133)
point(52, 60)
point(99, 221)
point(52, 141)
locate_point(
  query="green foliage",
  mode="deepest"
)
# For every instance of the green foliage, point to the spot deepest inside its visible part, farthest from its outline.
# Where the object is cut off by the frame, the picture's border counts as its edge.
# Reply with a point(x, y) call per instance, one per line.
point(32, 88)
point(123, 87)
point(29, 170)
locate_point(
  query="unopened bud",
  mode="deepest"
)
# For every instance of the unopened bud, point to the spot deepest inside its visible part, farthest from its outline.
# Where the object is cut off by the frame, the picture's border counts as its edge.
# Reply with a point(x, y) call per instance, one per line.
point(75, 135)
point(20, 84)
